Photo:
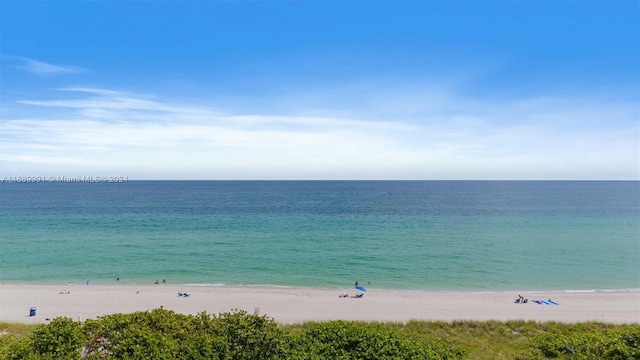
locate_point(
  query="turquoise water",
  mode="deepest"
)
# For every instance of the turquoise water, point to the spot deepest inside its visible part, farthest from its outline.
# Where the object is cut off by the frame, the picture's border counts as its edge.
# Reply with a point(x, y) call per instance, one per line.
point(416, 235)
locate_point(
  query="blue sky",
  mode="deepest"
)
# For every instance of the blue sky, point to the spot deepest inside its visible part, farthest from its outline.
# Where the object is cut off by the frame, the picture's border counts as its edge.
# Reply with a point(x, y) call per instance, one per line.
point(320, 90)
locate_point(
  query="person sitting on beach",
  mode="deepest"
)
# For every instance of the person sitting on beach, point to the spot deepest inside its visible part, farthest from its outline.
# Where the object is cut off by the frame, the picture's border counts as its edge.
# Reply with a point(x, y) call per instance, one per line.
point(343, 295)
point(520, 299)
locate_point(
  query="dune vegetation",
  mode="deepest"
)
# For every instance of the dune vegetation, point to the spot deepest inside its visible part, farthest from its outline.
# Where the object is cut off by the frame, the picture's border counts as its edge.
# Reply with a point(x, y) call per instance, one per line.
point(164, 334)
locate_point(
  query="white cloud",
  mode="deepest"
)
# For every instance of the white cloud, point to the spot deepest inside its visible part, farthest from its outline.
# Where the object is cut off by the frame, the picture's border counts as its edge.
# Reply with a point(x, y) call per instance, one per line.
point(42, 68)
point(121, 133)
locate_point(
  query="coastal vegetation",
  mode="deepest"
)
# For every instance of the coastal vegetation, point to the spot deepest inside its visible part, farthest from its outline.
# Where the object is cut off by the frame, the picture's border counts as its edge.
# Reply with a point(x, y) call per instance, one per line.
point(164, 334)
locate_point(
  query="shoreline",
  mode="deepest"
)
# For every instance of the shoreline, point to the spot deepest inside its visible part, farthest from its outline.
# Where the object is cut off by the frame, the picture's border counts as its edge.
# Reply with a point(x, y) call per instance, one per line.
point(332, 287)
point(301, 304)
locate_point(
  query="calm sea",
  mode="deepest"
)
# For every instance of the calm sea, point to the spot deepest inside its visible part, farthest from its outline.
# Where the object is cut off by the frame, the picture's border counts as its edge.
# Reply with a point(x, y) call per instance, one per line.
point(414, 235)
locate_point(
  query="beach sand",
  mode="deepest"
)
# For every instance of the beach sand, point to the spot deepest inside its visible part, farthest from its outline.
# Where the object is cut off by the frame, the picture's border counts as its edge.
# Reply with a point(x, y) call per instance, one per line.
point(297, 305)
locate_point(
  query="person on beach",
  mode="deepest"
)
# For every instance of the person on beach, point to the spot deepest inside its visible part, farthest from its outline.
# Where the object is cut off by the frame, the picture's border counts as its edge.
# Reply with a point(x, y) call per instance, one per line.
point(157, 282)
point(118, 278)
point(357, 283)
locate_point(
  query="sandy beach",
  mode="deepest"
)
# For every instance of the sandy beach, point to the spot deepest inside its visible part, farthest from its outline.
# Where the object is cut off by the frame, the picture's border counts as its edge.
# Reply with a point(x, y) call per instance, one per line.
point(296, 305)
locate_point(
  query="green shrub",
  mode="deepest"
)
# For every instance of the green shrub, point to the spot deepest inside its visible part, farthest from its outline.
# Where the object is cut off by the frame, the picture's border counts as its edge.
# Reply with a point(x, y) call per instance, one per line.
point(354, 340)
point(13, 348)
point(163, 334)
point(138, 335)
point(621, 343)
point(252, 336)
point(61, 339)
point(157, 334)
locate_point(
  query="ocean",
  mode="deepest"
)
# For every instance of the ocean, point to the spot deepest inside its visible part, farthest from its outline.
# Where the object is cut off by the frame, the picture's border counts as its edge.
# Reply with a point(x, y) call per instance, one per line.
point(409, 235)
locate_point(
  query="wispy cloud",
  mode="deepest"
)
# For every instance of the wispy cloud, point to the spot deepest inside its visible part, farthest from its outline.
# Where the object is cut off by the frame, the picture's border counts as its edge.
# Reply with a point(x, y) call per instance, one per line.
point(148, 137)
point(113, 105)
point(41, 68)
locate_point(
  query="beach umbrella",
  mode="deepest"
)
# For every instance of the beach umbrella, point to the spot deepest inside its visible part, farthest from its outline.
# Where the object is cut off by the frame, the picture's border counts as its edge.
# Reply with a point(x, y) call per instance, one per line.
point(361, 288)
